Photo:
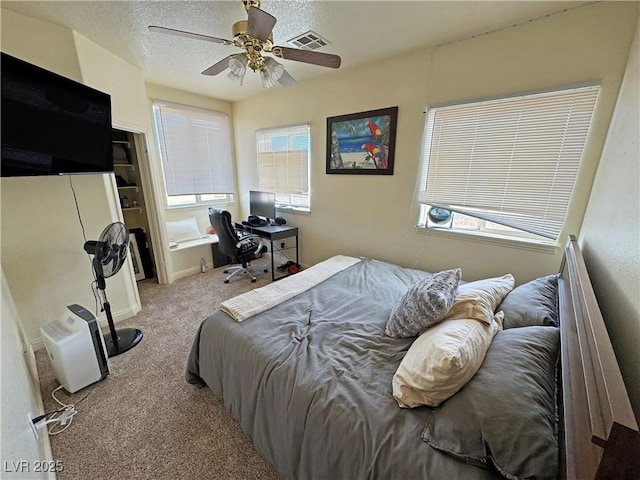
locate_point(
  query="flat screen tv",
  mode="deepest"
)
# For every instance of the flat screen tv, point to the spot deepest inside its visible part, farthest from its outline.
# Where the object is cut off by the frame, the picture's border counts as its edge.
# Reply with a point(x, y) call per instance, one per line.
point(52, 125)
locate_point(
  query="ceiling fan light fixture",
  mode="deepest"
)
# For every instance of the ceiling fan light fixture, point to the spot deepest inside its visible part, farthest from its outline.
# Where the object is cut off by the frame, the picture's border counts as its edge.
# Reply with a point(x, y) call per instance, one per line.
point(236, 78)
point(237, 68)
point(271, 72)
point(238, 63)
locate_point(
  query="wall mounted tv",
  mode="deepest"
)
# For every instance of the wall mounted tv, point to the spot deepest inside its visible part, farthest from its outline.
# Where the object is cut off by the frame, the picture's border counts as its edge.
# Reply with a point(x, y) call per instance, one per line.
point(52, 125)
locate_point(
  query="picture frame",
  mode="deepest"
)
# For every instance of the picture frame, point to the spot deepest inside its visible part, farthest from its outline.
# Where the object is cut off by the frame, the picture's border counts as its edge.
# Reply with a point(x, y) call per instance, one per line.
point(135, 257)
point(362, 143)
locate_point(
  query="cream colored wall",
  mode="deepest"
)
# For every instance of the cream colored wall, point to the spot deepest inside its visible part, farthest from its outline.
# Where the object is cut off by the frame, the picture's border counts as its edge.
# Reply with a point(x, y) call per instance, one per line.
point(47, 45)
point(125, 83)
point(610, 234)
point(20, 395)
point(42, 233)
point(51, 47)
point(108, 73)
point(187, 262)
point(375, 215)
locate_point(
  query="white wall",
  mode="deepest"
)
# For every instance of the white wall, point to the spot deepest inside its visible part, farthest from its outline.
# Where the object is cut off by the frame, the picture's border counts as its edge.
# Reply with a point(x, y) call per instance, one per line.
point(20, 396)
point(47, 45)
point(125, 83)
point(108, 73)
point(42, 245)
point(42, 236)
point(372, 215)
point(610, 234)
point(43, 262)
point(42, 232)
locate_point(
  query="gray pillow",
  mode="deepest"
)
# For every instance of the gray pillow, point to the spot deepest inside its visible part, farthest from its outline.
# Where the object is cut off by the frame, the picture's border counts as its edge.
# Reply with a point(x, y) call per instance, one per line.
point(424, 304)
point(532, 303)
point(506, 415)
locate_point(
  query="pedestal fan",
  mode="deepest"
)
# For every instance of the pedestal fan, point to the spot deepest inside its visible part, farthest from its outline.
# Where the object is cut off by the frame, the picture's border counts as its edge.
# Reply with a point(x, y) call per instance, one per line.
point(109, 253)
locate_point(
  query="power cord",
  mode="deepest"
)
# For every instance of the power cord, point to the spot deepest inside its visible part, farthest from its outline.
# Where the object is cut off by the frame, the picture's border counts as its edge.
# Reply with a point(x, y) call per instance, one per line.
point(61, 417)
point(75, 199)
point(84, 236)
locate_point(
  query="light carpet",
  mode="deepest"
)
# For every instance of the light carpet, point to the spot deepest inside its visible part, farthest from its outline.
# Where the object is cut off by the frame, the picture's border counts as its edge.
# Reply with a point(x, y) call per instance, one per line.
point(144, 420)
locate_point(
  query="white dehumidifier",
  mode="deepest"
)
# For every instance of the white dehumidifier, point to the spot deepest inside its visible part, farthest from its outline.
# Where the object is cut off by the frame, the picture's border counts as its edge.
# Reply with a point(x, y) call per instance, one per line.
point(76, 348)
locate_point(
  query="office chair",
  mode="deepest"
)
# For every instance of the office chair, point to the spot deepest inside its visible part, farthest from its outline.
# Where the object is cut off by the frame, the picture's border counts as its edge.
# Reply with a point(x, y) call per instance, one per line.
point(240, 248)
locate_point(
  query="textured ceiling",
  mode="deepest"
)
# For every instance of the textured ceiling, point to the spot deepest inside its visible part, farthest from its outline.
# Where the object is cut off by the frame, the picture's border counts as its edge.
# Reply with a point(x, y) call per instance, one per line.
point(359, 31)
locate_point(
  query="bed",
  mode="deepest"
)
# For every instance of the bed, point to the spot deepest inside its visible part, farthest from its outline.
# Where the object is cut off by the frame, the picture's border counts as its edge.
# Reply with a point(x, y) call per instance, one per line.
point(310, 381)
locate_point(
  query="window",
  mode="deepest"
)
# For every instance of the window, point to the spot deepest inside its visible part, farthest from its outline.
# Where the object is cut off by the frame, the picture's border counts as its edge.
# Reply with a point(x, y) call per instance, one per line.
point(195, 145)
point(283, 165)
point(506, 167)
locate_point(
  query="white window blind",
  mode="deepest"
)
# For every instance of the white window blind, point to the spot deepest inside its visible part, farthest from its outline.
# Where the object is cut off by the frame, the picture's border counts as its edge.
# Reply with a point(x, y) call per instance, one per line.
point(283, 164)
point(512, 161)
point(195, 145)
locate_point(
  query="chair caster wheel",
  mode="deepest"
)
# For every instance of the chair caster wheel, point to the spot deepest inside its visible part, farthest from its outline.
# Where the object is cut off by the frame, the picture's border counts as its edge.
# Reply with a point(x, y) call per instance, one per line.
point(226, 281)
point(266, 270)
point(225, 271)
point(253, 281)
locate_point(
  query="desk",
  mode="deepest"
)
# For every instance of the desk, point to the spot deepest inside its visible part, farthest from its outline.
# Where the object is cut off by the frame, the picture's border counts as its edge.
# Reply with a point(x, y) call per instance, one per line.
point(204, 240)
point(274, 233)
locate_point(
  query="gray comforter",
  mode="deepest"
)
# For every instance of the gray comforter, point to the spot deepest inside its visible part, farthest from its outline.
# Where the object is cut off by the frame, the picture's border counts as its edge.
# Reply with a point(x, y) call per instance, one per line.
point(310, 381)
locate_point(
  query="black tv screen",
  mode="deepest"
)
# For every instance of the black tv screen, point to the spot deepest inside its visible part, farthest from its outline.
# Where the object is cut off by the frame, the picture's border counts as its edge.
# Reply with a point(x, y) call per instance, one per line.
point(52, 125)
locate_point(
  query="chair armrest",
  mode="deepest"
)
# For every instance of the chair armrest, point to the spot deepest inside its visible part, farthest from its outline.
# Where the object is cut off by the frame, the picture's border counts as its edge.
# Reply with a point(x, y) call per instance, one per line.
point(250, 237)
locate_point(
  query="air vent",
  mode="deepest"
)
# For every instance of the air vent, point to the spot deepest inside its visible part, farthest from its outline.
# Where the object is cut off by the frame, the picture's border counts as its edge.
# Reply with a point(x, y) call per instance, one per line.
point(309, 41)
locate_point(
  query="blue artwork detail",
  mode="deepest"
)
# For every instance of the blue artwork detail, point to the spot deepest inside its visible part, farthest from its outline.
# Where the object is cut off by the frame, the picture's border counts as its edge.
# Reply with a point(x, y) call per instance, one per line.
point(353, 144)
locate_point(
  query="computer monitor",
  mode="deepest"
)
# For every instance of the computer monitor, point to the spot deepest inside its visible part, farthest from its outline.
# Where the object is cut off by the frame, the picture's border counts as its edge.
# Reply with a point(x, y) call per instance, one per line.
point(262, 204)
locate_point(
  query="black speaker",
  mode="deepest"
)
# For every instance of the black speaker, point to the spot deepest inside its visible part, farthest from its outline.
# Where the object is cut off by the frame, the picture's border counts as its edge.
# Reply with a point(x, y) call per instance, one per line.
point(279, 221)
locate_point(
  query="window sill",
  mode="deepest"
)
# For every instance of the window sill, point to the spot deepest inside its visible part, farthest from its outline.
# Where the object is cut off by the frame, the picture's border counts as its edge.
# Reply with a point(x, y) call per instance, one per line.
point(200, 205)
point(288, 209)
point(204, 240)
point(502, 241)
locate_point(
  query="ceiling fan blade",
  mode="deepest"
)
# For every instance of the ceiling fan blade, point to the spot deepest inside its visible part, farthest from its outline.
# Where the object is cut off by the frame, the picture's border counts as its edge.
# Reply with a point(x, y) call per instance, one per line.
point(308, 56)
point(181, 33)
point(286, 80)
point(216, 68)
point(260, 23)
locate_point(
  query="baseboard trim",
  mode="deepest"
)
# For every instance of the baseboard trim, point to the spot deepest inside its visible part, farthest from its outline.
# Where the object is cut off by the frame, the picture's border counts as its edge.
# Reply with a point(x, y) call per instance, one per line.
point(185, 273)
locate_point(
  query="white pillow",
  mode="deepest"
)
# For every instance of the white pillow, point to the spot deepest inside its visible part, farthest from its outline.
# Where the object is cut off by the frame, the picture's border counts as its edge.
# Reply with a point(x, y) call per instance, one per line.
point(442, 360)
point(183, 230)
point(480, 299)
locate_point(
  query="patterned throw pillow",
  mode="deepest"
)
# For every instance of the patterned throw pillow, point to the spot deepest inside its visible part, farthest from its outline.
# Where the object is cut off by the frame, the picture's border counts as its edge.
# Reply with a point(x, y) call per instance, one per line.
point(424, 304)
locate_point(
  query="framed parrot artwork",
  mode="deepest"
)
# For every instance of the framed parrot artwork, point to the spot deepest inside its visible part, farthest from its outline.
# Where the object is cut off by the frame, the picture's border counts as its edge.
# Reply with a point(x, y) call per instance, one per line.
point(362, 143)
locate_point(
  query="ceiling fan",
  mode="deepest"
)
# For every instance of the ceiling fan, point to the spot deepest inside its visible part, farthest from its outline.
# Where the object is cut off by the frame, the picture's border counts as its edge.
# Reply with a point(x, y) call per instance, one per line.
point(255, 37)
